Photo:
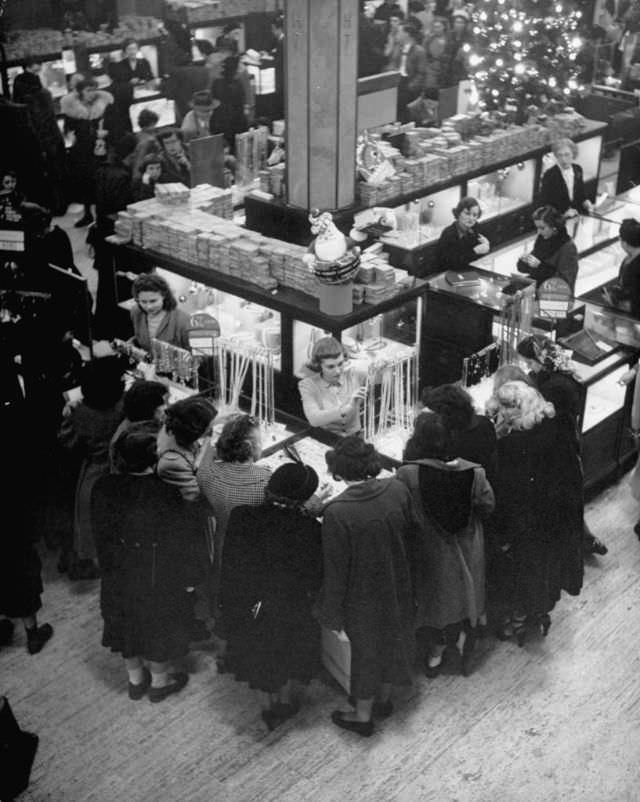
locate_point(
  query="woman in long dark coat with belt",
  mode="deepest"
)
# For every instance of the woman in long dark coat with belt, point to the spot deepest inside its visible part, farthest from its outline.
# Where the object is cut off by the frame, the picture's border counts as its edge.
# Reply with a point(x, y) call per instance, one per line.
point(144, 528)
point(270, 578)
point(367, 596)
point(539, 506)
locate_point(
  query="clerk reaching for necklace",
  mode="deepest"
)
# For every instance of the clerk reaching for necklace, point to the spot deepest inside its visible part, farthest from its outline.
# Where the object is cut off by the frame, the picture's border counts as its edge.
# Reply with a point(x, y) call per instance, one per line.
point(332, 398)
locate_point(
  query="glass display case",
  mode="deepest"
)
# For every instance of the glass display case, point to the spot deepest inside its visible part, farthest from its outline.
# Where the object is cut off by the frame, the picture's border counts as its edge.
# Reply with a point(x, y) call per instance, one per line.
point(504, 190)
point(421, 221)
point(589, 157)
point(588, 233)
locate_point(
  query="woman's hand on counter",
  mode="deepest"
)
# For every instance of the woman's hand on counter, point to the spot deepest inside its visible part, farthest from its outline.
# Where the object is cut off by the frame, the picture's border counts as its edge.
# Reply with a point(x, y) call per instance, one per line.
point(483, 247)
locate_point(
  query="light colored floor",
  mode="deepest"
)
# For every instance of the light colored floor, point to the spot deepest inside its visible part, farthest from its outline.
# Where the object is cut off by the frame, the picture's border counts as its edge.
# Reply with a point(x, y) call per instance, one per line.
point(558, 720)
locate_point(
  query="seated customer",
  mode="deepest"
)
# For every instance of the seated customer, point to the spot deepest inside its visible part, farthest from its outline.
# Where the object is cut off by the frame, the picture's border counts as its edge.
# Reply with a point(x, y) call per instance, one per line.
point(333, 396)
point(625, 293)
point(554, 253)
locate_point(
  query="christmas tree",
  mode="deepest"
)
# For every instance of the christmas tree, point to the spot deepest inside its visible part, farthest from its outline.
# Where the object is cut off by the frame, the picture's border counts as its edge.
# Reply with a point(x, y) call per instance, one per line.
point(525, 53)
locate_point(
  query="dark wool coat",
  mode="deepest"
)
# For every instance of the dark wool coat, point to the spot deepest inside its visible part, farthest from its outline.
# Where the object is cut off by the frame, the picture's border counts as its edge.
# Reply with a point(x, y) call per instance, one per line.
point(450, 565)
point(540, 512)
point(455, 252)
point(367, 590)
point(271, 576)
point(143, 531)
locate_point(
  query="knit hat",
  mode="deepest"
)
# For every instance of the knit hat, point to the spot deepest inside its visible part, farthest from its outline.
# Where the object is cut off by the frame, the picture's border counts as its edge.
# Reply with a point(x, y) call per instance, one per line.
point(293, 481)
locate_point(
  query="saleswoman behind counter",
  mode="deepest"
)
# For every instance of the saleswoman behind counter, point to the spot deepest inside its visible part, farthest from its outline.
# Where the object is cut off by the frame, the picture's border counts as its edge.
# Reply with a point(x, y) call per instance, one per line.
point(461, 243)
point(156, 315)
point(332, 398)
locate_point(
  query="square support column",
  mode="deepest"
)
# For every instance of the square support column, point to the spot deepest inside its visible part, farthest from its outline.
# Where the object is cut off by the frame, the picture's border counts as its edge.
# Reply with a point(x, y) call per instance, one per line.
point(321, 43)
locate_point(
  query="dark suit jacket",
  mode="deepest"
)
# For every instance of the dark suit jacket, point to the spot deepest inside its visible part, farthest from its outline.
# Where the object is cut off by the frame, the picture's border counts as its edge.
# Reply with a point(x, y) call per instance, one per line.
point(554, 192)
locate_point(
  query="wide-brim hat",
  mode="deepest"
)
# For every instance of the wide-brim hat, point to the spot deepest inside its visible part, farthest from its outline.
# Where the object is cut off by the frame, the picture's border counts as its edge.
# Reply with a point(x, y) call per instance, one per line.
point(294, 481)
point(204, 101)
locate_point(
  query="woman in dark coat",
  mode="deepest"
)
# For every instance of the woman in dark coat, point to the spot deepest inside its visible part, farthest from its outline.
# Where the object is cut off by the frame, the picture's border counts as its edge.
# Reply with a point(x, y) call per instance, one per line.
point(143, 529)
point(552, 375)
point(87, 428)
point(461, 243)
point(539, 506)
point(270, 578)
point(472, 437)
point(554, 253)
point(450, 496)
point(366, 596)
point(624, 294)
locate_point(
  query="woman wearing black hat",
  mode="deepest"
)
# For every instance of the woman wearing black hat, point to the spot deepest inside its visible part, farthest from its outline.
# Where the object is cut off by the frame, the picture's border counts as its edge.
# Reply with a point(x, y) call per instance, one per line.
point(271, 574)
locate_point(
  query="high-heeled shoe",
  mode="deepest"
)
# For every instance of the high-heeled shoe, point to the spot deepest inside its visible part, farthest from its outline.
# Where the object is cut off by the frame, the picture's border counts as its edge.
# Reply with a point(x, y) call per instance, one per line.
point(513, 627)
point(468, 648)
point(430, 671)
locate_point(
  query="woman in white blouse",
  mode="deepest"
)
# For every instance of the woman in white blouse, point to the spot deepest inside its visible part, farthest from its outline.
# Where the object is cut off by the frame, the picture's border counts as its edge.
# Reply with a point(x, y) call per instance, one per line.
point(563, 184)
point(333, 396)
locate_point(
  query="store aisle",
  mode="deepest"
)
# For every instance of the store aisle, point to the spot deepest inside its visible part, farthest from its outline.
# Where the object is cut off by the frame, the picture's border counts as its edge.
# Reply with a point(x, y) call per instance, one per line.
point(554, 721)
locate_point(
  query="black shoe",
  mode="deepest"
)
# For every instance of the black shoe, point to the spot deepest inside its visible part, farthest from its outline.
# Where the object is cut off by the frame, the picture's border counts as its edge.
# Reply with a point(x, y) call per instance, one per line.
point(364, 728)
point(636, 529)
point(379, 709)
point(37, 637)
point(592, 545)
point(6, 631)
point(136, 692)
point(466, 663)
point(85, 220)
point(178, 682)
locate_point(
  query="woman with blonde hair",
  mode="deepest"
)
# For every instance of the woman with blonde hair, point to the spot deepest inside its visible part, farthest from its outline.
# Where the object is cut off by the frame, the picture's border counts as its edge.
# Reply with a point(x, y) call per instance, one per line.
point(539, 506)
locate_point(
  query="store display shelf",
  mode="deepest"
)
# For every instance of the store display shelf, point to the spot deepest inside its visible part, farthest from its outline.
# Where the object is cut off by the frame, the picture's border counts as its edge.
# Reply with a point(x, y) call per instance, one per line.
point(293, 303)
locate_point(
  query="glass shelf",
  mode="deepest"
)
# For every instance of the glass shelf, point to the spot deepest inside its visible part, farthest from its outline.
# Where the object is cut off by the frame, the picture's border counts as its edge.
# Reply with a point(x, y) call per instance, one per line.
point(604, 398)
point(504, 190)
point(422, 221)
point(239, 320)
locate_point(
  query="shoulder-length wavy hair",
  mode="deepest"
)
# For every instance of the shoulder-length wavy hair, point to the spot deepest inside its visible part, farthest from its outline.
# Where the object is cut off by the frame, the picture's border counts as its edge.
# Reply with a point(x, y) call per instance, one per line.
point(353, 460)
point(517, 406)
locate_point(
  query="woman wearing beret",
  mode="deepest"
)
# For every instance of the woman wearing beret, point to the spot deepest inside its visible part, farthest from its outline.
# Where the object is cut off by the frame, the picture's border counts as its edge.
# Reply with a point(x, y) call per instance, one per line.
point(270, 577)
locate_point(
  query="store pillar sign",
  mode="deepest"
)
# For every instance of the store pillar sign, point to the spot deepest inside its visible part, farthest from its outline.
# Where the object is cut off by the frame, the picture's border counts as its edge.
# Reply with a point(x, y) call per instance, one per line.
point(554, 298)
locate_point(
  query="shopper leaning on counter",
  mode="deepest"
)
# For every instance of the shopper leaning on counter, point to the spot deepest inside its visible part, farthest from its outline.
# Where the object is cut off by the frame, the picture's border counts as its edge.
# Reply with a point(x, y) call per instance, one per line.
point(563, 185)
point(332, 397)
point(460, 243)
point(367, 598)
point(624, 294)
point(554, 253)
point(156, 315)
